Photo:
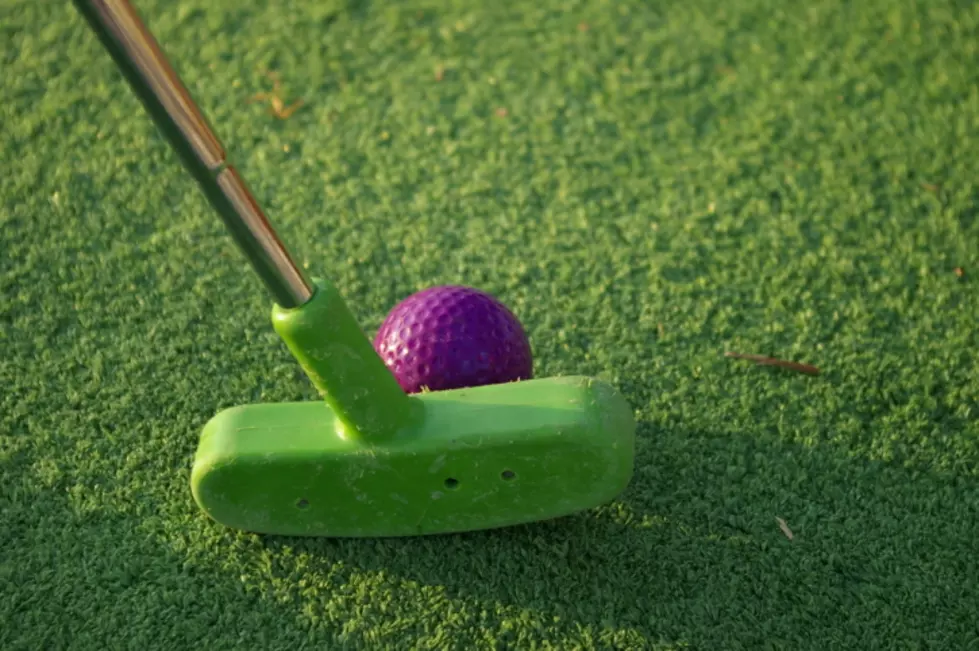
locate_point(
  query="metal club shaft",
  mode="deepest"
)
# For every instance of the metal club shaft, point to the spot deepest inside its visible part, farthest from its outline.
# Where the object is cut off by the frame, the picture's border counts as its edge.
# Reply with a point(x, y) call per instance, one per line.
point(152, 78)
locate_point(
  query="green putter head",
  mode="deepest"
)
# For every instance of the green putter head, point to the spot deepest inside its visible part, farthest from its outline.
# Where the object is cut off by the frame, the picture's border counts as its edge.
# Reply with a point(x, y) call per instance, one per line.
point(372, 461)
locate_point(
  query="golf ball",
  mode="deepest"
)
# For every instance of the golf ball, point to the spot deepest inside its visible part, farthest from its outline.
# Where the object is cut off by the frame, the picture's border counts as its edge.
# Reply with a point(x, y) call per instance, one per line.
point(453, 337)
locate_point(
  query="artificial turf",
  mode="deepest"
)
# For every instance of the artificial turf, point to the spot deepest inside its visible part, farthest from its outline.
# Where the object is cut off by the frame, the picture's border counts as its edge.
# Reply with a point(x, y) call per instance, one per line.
point(646, 184)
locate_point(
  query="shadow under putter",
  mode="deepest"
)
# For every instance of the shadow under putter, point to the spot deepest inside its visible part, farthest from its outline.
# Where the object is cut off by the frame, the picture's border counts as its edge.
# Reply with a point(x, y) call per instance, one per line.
point(368, 460)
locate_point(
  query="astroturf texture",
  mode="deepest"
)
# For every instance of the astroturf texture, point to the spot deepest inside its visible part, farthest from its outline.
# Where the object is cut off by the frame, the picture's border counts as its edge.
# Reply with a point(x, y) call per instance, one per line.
point(647, 184)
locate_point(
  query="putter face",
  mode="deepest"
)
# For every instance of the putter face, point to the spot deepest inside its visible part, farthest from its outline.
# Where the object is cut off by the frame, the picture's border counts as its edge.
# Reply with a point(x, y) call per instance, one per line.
point(478, 458)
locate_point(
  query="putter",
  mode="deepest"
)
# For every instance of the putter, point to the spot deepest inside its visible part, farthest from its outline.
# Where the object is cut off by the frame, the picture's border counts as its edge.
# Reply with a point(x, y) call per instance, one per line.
point(368, 460)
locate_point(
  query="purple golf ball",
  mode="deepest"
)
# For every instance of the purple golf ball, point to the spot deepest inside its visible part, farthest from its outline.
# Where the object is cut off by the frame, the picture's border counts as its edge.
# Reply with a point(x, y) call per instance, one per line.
point(453, 337)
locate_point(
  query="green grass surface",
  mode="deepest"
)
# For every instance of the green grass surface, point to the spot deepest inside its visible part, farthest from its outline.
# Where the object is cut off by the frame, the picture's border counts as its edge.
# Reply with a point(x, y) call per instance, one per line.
point(670, 180)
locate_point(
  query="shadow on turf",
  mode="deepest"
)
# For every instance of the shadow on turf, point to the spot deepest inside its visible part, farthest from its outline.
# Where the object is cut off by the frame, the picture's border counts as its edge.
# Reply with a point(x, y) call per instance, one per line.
point(694, 545)
point(691, 553)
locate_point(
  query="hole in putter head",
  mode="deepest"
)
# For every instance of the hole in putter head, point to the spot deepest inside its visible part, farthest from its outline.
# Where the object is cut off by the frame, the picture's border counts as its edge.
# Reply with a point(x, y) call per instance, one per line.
point(452, 483)
point(507, 475)
point(302, 503)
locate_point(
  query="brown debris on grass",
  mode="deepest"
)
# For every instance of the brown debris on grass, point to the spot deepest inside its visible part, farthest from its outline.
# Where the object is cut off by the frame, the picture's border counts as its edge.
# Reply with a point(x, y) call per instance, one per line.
point(277, 107)
point(764, 360)
point(784, 527)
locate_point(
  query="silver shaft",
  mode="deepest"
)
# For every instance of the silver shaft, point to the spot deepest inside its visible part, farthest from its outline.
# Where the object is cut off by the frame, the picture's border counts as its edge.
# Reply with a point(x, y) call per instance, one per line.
point(143, 63)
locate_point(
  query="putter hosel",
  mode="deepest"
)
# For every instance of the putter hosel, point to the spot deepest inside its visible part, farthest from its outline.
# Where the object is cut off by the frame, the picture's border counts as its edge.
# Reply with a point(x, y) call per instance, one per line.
point(342, 364)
